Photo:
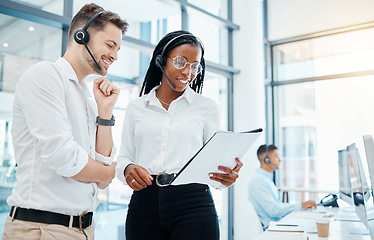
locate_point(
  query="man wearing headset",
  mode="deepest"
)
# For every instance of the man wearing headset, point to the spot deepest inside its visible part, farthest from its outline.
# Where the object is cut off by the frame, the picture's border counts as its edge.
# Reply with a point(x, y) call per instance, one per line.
point(62, 135)
point(263, 193)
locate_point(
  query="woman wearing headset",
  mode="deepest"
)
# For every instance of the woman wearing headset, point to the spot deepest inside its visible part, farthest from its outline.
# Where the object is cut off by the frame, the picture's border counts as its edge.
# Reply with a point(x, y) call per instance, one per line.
point(162, 130)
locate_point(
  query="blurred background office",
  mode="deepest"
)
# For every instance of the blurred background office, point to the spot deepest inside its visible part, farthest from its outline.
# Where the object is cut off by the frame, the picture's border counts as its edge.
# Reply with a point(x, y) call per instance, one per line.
point(303, 70)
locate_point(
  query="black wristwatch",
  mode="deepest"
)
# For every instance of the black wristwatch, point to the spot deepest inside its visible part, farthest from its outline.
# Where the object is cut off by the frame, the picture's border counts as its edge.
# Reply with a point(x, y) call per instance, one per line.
point(105, 122)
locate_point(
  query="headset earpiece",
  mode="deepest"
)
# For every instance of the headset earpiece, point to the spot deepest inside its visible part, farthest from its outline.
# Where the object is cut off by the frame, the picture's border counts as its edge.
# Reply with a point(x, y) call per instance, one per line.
point(160, 61)
point(267, 159)
point(81, 36)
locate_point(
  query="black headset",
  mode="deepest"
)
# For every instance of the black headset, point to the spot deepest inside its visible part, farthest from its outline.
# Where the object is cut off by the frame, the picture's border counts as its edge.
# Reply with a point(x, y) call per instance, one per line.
point(160, 59)
point(267, 159)
point(81, 36)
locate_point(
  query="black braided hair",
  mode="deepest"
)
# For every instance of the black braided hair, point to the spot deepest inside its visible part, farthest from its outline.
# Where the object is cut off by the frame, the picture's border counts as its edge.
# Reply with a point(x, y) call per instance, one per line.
point(154, 74)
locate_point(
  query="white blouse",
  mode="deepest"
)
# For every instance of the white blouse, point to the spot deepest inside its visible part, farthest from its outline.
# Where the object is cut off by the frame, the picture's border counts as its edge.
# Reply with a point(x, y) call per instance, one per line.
point(163, 140)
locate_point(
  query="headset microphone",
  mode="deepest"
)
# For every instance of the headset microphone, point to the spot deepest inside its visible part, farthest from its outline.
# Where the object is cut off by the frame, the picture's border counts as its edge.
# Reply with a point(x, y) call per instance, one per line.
point(97, 65)
point(157, 61)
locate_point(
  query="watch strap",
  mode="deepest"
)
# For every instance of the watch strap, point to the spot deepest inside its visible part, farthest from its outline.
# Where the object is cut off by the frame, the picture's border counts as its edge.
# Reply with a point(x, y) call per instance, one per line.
point(105, 122)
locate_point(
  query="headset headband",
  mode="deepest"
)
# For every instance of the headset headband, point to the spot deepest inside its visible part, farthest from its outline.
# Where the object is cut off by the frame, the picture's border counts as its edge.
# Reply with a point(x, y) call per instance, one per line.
point(167, 44)
point(91, 20)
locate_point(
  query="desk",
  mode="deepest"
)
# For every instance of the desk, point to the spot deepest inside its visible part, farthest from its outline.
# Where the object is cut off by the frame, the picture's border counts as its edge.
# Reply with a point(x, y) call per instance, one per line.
point(339, 230)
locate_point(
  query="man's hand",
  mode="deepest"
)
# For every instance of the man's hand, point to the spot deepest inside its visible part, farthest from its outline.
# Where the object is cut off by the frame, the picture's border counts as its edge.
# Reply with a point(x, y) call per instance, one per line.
point(109, 174)
point(231, 175)
point(308, 204)
point(106, 95)
point(137, 177)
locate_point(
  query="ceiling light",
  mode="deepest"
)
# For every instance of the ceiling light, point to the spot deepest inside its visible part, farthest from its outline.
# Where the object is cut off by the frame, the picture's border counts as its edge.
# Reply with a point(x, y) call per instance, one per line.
point(5, 45)
point(31, 29)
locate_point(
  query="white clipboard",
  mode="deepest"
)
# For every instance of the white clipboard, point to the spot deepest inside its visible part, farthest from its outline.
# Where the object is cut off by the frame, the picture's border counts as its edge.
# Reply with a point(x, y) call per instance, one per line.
point(220, 150)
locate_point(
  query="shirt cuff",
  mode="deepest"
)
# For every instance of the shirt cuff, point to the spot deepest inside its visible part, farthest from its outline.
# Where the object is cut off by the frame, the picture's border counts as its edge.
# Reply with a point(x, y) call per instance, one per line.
point(298, 206)
point(120, 170)
point(106, 160)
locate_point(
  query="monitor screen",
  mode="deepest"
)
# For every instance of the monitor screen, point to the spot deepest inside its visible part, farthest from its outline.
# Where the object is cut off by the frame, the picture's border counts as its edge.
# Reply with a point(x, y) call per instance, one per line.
point(344, 177)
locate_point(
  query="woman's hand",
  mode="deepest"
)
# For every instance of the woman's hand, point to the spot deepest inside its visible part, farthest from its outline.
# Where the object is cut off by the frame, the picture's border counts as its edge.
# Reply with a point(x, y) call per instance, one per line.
point(137, 177)
point(229, 176)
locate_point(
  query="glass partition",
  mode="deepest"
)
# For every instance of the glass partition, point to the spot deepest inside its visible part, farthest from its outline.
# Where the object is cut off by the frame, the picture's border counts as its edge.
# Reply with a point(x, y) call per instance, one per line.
point(52, 6)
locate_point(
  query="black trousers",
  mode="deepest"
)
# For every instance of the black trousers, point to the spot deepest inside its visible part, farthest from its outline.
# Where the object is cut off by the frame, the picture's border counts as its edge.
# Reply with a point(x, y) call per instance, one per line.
point(184, 212)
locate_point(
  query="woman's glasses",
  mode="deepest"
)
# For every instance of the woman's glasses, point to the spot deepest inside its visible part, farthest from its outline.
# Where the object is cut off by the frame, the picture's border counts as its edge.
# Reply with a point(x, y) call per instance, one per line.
point(180, 62)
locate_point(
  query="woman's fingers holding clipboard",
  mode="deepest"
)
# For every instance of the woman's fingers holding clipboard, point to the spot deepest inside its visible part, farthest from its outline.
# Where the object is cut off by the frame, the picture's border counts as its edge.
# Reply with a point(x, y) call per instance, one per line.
point(137, 177)
point(229, 176)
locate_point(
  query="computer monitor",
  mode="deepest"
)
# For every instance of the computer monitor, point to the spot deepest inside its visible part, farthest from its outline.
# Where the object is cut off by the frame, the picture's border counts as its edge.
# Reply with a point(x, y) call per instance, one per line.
point(345, 192)
point(369, 150)
point(361, 190)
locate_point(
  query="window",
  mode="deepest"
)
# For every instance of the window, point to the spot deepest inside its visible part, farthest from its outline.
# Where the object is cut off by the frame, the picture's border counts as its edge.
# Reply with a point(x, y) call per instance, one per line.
point(314, 119)
point(215, 39)
point(335, 54)
point(215, 7)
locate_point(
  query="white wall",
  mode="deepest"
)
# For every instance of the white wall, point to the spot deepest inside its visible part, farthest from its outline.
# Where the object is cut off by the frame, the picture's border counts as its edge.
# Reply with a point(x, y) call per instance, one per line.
point(249, 103)
point(289, 18)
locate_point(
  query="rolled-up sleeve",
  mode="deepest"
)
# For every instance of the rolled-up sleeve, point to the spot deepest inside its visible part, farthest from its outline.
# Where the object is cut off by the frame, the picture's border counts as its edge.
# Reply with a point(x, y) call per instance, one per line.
point(106, 160)
point(42, 101)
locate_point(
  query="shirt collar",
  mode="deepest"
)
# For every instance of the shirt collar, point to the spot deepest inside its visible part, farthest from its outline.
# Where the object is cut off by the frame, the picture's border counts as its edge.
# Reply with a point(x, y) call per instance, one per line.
point(151, 98)
point(265, 173)
point(67, 69)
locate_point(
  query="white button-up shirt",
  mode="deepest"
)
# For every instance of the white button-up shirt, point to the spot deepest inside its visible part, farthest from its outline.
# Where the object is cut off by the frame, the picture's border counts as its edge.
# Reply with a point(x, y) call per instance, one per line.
point(53, 133)
point(164, 140)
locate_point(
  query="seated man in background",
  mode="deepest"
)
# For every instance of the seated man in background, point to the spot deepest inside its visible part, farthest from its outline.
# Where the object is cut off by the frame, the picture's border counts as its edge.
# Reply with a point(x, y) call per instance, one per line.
point(263, 193)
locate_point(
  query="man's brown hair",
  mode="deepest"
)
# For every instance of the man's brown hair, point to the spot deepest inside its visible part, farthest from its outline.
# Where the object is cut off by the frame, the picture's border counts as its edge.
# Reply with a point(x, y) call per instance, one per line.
point(87, 12)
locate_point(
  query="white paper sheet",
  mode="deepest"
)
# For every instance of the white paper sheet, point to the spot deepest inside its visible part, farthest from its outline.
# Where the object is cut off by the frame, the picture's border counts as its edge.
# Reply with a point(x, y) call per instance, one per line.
point(220, 150)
